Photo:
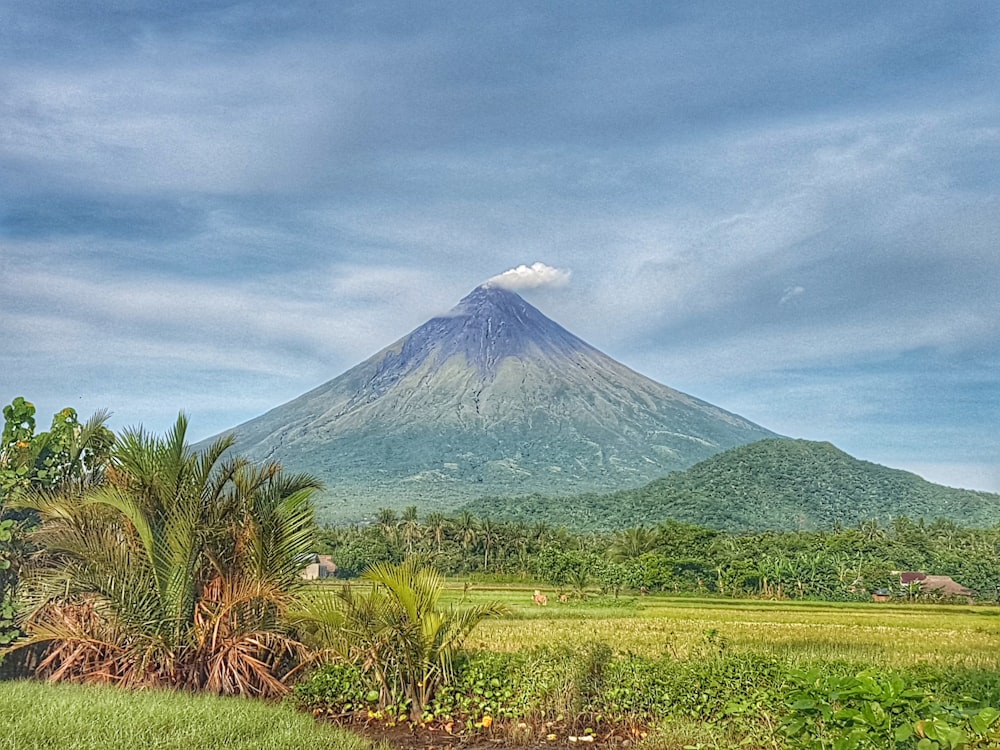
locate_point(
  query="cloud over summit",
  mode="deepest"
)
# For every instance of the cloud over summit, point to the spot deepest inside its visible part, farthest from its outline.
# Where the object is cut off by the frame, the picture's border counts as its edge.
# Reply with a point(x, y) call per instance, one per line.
point(530, 277)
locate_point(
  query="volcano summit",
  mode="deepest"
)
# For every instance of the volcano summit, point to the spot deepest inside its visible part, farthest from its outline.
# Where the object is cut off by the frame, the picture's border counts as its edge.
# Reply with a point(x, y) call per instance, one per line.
point(492, 398)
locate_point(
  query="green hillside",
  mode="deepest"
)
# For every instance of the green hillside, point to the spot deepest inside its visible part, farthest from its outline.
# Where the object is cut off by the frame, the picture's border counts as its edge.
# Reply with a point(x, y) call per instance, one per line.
point(770, 484)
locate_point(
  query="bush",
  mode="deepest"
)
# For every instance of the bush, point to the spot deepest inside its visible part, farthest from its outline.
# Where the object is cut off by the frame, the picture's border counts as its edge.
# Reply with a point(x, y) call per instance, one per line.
point(872, 711)
point(728, 696)
point(580, 688)
point(336, 688)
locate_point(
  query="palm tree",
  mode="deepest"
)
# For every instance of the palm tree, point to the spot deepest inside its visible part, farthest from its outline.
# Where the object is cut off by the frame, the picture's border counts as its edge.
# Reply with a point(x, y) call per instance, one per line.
point(631, 544)
point(489, 534)
point(541, 532)
point(467, 528)
point(177, 571)
point(410, 526)
point(871, 532)
point(388, 522)
point(438, 524)
point(396, 631)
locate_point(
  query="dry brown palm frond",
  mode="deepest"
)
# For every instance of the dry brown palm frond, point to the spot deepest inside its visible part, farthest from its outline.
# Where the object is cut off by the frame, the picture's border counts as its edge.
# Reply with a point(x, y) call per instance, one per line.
point(82, 646)
point(250, 664)
point(228, 605)
point(237, 649)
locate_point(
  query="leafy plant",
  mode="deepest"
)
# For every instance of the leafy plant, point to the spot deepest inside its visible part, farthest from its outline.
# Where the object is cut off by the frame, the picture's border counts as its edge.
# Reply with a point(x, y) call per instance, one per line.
point(7, 630)
point(396, 631)
point(872, 711)
point(177, 571)
point(70, 455)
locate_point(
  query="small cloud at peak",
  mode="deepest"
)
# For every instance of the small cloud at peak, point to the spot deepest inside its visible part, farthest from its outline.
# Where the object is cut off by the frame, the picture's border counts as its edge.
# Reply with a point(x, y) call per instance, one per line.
point(530, 277)
point(791, 293)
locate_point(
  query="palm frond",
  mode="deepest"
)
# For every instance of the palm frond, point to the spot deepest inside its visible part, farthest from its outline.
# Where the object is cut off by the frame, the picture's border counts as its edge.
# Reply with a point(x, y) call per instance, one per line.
point(179, 571)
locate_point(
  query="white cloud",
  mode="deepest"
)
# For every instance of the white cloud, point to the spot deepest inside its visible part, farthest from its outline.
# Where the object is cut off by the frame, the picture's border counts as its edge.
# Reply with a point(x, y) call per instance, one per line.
point(790, 293)
point(531, 277)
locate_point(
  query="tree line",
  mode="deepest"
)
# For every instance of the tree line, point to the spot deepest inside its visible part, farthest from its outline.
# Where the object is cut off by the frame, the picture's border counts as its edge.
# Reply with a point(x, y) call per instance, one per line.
point(842, 563)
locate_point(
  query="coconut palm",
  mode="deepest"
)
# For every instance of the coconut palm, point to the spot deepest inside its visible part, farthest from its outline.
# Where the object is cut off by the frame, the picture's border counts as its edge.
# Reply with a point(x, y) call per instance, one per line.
point(631, 544)
point(437, 524)
point(489, 535)
point(410, 529)
point(467, 529)
point(176, 571)
point(388, 522)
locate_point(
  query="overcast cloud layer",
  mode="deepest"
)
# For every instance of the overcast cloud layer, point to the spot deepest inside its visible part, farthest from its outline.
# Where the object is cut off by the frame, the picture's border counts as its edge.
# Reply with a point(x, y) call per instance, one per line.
point(789, 210)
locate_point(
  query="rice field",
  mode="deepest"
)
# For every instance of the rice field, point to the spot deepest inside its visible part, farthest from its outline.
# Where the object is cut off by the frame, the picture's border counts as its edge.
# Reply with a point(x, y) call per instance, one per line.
point(880, 635)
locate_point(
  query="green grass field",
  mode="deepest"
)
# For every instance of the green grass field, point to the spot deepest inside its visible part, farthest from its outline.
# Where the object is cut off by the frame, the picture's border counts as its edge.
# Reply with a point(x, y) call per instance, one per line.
point(36, 715)
point(880, 635)
point(897, 635)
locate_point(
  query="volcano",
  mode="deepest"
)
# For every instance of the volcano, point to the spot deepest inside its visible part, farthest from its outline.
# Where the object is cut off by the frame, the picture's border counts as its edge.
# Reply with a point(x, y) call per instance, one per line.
point(492, 398)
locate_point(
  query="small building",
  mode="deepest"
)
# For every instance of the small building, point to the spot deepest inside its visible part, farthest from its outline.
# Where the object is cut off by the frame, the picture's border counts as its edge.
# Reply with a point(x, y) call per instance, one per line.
point(317, 566)
point(933, 585)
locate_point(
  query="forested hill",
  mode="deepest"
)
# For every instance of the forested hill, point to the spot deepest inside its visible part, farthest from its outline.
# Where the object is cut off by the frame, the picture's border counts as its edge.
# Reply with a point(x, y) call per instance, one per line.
point(770, 484)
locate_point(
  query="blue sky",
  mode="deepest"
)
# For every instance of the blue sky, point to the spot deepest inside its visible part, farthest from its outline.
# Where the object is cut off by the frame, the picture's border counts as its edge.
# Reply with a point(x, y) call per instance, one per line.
point(791, 210)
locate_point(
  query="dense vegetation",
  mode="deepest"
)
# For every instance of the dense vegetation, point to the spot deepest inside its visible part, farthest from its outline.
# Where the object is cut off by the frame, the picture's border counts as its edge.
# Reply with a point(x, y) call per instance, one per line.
point(844, 563)
point(395, 633)
point(770, 484)
point(139, 561)
point(68, 456)
point(729, 700)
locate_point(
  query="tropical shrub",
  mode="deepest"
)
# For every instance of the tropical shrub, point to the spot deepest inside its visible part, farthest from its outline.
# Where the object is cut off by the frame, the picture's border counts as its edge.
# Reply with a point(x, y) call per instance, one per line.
point(404, 642)
point(69, 455)
point(581, 690)
point(176, 571)
point(7, 630)
point(873, 711)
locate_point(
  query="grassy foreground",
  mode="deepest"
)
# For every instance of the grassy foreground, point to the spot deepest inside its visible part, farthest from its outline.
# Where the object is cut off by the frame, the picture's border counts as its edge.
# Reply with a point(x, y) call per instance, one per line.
point(72, 717)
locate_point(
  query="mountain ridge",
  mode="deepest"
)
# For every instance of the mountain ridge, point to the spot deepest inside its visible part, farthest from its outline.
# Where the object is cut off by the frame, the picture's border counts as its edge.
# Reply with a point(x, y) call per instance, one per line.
point(772, 484)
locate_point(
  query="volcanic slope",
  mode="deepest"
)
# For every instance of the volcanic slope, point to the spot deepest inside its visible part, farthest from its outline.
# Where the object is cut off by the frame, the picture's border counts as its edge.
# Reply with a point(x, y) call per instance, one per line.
point(492, 398)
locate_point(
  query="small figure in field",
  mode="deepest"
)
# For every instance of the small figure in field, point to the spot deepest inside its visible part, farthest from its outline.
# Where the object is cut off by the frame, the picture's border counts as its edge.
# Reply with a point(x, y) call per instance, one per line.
point(539, 598)
point(563, 598)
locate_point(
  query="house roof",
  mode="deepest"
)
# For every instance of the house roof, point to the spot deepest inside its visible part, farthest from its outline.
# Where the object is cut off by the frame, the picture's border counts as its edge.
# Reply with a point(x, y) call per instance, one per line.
point(945, 585)
point(931, 583)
